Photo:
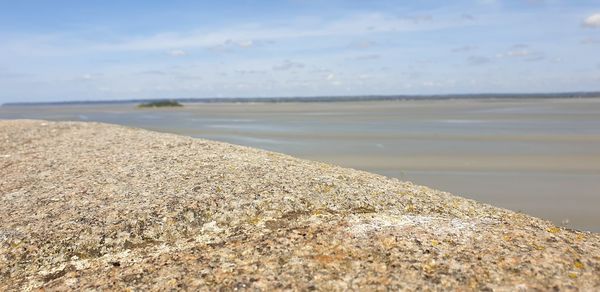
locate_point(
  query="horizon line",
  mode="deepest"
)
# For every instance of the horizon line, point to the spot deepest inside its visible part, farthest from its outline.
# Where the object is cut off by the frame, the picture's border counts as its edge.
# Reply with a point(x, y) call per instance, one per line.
point(322, 98)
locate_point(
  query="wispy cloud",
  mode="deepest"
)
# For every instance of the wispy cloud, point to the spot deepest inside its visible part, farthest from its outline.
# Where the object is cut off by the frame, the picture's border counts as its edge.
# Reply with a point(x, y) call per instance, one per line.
point(521, 51)
point(87, 77)
point(245, 44)
point(236, 35)
point(422, 43)
point(362, 44)
point(366, 57)
point(517, 53)
point(333, 79)
point(249, 72)
point(153, 72)
point(288, 65)
point(478, 60)
point(464, 49)
point(177, 53)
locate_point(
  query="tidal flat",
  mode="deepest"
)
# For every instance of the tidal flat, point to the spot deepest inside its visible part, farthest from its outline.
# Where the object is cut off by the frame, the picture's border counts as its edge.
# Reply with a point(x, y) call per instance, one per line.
point(537, 156)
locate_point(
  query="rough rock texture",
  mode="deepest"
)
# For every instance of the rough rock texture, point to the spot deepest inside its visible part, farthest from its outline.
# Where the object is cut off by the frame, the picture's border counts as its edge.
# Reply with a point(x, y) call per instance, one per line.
point(88, 205)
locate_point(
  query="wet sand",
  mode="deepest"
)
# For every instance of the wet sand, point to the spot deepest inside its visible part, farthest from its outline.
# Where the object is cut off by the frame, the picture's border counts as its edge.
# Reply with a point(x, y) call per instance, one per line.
point(541, 157)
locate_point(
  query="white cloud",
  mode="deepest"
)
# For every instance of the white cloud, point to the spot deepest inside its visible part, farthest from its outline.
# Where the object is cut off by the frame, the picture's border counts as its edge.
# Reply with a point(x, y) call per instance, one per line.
point(234, 36)
point(520, 46)
point(518, 53)
point(230, 45)
point(249, 72)
point(288, 65)
point(88, 77)
point(523, 52)
point(245, 44)
point(362, 44)
point(592, 21)
point(177, 53)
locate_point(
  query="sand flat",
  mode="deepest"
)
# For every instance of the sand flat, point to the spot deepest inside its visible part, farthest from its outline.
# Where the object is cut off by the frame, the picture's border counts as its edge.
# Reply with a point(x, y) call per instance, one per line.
point(539, 156)
point(89, 205)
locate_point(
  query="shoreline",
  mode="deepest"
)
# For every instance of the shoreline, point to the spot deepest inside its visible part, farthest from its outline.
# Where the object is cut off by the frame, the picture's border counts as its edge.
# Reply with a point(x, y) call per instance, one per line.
point(324, 99)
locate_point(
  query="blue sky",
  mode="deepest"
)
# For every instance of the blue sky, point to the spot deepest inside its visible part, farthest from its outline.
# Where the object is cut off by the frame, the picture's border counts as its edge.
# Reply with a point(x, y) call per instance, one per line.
point(93, 50)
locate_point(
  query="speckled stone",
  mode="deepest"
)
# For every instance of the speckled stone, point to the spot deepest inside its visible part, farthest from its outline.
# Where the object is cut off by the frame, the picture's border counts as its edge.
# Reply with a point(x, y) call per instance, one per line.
point(96, 206)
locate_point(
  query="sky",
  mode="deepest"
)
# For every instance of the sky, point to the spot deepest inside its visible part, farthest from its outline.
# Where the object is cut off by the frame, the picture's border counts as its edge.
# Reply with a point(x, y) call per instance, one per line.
point(102, 50)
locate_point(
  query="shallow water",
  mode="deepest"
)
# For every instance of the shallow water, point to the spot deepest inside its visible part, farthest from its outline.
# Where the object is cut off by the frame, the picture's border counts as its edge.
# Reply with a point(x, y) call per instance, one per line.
point(541, 157)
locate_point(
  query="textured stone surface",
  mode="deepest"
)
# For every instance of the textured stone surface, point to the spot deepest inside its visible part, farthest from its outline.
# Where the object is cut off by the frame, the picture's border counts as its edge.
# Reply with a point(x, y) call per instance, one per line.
point(87, 205)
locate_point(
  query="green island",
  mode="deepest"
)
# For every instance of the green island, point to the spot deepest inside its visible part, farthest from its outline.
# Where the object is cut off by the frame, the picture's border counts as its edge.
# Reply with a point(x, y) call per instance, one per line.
point(160, 103)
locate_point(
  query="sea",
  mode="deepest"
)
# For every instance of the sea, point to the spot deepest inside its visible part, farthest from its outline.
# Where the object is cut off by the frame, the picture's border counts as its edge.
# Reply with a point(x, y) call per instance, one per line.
point(536, 156)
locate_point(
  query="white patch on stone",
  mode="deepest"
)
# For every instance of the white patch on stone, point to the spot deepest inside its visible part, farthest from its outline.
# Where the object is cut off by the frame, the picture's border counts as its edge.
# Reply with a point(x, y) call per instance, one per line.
point(211, 227)
point(71, 282)
point(521, 287)
point(362, 227)
point(81, 264)
point(210, 233)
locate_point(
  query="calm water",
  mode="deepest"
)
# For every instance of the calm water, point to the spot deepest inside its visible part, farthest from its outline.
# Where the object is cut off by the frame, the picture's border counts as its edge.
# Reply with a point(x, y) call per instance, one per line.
point(541, 157)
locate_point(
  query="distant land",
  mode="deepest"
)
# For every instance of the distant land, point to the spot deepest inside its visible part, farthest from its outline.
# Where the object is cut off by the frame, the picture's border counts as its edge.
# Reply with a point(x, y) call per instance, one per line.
point(348, 98)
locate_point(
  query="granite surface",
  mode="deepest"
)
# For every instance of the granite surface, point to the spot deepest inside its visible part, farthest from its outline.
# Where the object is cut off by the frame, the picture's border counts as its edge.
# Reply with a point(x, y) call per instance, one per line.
point(97, 206)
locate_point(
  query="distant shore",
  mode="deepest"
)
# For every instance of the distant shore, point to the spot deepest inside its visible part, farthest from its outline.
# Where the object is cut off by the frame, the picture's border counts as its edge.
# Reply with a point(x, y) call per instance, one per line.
point(324, 98)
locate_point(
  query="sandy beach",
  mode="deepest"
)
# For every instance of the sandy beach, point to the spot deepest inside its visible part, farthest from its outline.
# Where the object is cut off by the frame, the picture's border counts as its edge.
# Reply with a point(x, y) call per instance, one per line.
point(97, 206)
